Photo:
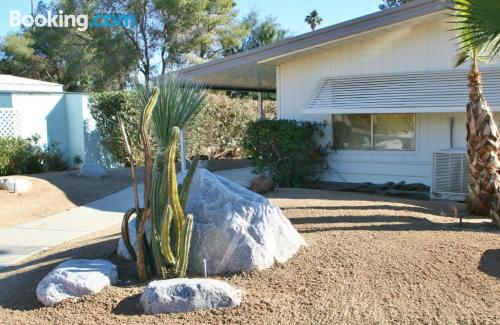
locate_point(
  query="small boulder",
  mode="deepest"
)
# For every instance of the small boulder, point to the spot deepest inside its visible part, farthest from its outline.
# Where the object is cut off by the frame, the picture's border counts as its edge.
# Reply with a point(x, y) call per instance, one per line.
point(92, 170)
point(132, 236)
point(185, 295)
point(15, 185)
point(261, 184)
point(76, 278)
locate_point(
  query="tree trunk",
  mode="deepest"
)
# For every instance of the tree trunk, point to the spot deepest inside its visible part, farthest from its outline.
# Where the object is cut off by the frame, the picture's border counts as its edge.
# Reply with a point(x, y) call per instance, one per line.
point(483, 148)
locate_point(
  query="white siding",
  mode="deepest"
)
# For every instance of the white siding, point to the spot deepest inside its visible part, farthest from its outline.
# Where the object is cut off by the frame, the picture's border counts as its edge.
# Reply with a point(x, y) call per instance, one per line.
point(425, 47)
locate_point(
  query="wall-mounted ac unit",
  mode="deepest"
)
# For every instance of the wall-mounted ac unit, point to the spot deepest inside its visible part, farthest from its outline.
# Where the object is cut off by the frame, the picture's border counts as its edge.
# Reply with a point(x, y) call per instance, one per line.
point(450, 175)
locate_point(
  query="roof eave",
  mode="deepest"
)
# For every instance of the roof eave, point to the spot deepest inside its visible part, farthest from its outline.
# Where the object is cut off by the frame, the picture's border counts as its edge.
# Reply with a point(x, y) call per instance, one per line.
point(319, 37)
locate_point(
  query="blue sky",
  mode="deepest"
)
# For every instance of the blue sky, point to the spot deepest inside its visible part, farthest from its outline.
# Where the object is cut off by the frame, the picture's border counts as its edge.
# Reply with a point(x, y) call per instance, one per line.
point(289, 13)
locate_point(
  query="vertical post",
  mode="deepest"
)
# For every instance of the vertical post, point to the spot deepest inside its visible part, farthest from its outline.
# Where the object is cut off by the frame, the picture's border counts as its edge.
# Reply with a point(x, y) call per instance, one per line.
point(183, 151)
point(261, 106)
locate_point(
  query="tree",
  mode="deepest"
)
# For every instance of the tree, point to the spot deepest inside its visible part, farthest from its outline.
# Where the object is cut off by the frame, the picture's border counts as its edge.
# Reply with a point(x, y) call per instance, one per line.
point(392, 3)
point(93, 60)
point(313, 19)
point(478, 30)
point(259, 33)
point(178, 32)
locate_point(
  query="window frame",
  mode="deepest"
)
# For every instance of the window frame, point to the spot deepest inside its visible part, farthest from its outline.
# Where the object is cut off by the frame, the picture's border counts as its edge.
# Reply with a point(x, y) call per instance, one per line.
point(372, 137)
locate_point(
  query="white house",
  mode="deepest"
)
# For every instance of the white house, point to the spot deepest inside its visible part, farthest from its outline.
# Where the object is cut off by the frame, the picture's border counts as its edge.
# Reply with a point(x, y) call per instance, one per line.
point(385, 83)
point(29, 107)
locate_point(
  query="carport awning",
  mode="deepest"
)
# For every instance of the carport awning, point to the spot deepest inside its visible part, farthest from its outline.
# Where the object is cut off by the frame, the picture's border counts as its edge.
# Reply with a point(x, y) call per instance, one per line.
point(429, 92)
point(247, 77)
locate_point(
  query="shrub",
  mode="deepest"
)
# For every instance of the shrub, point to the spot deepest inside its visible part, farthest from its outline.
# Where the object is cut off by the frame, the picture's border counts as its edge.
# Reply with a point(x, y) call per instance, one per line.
point(218, 130)
point(25, 156)
point(54, 159)
point(286, 150)
point(103, 108)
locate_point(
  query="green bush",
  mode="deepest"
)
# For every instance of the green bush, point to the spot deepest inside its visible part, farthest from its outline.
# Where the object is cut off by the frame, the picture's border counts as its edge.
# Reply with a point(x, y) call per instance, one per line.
point(54, 159)
point(25, 156)
point(104, 107)
point(218, 130)
point(286, 150)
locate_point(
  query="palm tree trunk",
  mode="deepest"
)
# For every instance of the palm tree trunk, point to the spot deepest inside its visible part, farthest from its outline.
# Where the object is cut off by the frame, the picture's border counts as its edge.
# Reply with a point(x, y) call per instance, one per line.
point(483, 148)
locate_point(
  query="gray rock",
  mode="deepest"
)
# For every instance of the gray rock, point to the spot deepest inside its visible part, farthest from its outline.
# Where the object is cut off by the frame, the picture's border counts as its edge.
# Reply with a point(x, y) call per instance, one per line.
point(234, 228)
point(92, 170)
point(122, 249)
point(185, 295)
point(76, 278)
point(15, 185)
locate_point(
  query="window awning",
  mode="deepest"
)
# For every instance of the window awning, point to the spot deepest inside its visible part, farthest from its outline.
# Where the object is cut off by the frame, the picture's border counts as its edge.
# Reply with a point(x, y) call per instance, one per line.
point(429, 92)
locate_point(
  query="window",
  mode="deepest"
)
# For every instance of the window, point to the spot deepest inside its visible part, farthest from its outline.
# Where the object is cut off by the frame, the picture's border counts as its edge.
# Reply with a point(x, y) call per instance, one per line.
point(5, 100)
point(374, 131)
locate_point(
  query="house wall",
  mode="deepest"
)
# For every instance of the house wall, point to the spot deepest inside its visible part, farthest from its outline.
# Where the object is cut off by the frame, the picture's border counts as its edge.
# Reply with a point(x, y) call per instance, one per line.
point(43, 114)
point(56, 117)
point(424, 47)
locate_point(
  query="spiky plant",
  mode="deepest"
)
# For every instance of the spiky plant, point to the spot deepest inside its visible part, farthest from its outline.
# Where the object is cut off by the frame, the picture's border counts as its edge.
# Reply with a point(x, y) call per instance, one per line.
point(478, 28)
point(176, 104)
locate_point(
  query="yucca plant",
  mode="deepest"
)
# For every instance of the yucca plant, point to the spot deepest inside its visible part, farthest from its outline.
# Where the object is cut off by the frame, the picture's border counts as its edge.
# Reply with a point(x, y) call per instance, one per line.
point(478, 27)
point(169, 105)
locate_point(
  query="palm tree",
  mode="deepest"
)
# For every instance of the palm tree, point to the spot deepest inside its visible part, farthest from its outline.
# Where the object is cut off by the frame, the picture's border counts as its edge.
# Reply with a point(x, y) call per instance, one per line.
point(313, 19)
point(478, 30)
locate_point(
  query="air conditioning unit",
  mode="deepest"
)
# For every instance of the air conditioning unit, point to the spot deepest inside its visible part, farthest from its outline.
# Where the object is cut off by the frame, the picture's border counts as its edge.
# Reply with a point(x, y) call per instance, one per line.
point(450, 175)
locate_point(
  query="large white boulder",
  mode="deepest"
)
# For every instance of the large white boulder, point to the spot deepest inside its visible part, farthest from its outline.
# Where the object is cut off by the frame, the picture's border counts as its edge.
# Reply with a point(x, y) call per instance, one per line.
point(76, 278)
point(185, 295)
point(92, 170)
point(234, 229)
point(15, 185)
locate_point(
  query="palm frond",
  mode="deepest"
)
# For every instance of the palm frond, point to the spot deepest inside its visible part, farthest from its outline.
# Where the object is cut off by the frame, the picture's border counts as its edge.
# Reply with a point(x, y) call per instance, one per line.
point(478, 26)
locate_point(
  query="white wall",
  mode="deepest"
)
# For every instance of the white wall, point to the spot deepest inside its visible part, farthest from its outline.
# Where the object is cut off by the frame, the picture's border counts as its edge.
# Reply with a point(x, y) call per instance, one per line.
point(75, 105)
point(425, 47)
point(43, 114)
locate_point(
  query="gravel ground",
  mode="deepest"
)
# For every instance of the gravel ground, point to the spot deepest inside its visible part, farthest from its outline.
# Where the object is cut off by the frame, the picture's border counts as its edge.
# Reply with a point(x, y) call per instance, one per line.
point(62, 190)
point(370, 260)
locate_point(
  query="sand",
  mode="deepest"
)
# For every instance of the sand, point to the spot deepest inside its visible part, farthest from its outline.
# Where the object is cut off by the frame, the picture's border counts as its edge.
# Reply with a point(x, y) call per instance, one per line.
point(58, 191)
point(370, 260)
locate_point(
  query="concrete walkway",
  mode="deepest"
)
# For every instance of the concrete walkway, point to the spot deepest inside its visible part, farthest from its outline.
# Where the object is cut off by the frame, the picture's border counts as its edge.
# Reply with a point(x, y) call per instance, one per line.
point(24, 240)
point(21, 241)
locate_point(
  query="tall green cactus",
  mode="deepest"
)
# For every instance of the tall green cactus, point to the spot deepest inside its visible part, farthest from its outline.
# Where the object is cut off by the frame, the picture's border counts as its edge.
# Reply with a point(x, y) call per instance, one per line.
point(171, 228)
point(169, 105)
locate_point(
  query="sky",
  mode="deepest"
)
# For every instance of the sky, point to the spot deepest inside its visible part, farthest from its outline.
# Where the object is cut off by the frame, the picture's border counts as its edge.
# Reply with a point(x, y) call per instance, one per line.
point(289, 13)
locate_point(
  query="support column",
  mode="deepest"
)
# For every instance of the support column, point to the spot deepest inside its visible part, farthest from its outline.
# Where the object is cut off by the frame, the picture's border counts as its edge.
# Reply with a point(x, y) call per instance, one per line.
point(261, 106)
point(183, 151)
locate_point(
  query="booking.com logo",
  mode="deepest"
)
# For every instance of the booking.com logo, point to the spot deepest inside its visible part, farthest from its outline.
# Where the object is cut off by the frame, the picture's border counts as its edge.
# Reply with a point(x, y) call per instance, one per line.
point(81, 22)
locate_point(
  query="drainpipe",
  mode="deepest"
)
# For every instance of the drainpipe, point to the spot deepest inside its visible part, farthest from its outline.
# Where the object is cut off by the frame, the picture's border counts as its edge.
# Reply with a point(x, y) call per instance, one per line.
point(452, 127)
point(261, 106)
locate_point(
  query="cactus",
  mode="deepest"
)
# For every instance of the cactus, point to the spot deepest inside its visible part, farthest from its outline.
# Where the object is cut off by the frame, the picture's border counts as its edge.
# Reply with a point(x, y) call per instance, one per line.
point(172, 229)
point(173, 103)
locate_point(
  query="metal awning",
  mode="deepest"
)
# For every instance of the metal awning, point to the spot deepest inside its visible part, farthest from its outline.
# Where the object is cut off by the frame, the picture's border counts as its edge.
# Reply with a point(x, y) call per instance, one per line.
point(428, 92)
point(250, 76)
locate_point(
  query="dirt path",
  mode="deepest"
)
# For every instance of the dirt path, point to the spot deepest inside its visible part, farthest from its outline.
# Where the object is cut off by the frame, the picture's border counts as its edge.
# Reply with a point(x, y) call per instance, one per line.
point(56, 192)
point(370, 260)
